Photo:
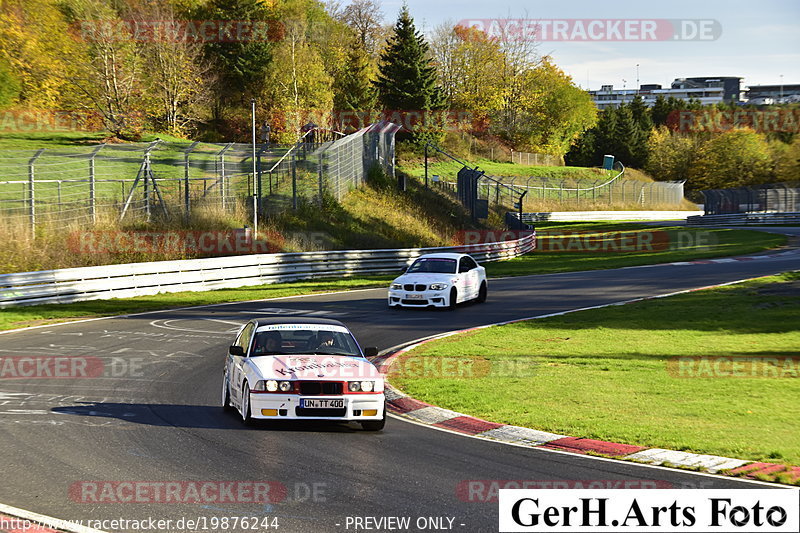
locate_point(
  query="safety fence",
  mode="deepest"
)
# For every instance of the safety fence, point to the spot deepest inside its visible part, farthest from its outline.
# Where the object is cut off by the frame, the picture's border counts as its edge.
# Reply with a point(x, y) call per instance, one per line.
point(140, 279)
point(531, 159)
point(77, 183)
point(744, 219)
point(773, 197)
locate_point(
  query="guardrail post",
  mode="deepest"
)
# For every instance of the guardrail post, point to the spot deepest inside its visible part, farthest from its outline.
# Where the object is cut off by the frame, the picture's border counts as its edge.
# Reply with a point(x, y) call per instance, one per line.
point(32, 189)
point(294, 181)
point(186, 202)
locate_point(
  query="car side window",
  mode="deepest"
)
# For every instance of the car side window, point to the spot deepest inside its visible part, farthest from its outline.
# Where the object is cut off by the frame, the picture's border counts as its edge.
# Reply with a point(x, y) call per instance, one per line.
point(470, 263)
point(246, 336)
point(464, 265)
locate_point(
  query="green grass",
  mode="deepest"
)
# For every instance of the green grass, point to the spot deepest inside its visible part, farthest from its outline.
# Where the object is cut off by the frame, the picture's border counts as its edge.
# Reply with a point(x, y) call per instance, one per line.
point(41, 314)
point(449, 169)
point(604, 373)
point(683, 244)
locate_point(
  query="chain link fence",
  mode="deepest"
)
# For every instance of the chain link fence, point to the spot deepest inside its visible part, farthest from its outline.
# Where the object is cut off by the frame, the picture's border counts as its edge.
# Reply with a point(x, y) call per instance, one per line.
point(140, 180)
point(530, 159)
point(769, 198)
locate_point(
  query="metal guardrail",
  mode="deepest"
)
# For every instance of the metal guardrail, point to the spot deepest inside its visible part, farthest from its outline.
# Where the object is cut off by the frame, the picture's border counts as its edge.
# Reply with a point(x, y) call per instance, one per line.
point(743, 219)
point(571, 216)
point(141, 279)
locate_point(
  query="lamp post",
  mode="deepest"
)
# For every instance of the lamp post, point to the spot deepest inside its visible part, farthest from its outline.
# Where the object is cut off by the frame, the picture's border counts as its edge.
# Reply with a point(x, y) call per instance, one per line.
point(255, 185)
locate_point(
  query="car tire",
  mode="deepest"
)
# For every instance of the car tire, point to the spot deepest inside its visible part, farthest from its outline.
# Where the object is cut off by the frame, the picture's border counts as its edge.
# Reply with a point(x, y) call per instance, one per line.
point(453, 299)
point(226, 394)
point(247, 418)
point(482, 293)
point(375, 425)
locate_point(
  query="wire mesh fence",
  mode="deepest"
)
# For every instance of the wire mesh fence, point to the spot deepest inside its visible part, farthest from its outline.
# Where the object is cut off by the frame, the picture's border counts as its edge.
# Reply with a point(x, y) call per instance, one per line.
point(542, 193)
point(140, 180)
point(769, 198)
point(531, 159)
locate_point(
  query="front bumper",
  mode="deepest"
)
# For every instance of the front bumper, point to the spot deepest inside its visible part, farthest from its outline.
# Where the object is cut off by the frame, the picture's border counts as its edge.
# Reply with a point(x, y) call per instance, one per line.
point(357, 407)
point(403, 298)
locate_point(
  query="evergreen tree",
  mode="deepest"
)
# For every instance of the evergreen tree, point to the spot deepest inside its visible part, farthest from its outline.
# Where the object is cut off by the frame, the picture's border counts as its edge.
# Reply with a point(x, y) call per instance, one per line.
point(660, 111)
point(407, 80)
point(353, 90)
point(644, 127)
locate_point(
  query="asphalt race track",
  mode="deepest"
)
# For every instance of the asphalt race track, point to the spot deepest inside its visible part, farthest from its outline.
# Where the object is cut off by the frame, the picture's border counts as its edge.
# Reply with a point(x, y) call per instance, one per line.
point(156, 417)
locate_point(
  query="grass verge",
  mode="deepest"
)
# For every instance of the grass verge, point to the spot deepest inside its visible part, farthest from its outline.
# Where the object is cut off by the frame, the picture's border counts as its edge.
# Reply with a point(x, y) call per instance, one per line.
point(638, 245)
point(611, 373)
point(21, 317)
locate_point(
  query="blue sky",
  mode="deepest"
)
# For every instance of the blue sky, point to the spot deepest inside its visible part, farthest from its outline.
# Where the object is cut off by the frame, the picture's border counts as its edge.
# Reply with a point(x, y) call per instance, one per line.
point(760, 40)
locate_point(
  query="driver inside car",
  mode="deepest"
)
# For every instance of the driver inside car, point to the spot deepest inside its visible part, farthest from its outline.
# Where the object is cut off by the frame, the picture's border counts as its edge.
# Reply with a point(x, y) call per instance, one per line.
point(269, 342)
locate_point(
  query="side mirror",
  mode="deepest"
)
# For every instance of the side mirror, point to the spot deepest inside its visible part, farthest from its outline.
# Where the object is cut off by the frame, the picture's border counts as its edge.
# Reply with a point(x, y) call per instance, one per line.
point(236, 350)
point(371, 351)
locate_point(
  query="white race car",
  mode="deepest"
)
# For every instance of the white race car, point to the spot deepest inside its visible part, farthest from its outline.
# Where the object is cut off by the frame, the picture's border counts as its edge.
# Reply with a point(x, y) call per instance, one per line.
point(302, 369)
point(439, 280)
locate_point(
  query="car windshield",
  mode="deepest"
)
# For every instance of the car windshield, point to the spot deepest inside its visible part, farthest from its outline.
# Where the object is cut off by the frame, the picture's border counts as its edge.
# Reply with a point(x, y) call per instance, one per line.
point(438, 265)
point(299, 340)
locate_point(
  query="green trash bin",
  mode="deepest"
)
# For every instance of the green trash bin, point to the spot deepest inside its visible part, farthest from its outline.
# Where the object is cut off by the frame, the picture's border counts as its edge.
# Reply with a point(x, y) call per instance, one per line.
point(608, 162)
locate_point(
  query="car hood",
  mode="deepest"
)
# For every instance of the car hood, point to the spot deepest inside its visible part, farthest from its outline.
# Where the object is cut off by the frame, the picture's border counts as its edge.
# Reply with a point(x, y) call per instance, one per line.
point(426, 278)
point(316, 367)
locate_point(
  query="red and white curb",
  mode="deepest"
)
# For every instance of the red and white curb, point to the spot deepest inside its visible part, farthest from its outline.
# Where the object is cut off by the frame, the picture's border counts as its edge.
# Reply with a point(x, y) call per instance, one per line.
point(407, 407)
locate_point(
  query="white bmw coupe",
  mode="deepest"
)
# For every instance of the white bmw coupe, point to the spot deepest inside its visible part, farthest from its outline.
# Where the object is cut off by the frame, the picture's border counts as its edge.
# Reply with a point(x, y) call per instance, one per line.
point(439, 280)
point(302, 369)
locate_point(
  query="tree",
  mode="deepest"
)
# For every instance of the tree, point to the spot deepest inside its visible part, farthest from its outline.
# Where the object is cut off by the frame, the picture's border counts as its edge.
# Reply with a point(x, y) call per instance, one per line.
point(9, 85)
point(40, 53)
point(670, 154)
point(353, 90)
point(176, 75)
point(296, 84)
point(553, 111)
point(109, 77)
point(241, 65)
point(660, 111)
point(732, 159)
point(366, 20)
point(406, 77)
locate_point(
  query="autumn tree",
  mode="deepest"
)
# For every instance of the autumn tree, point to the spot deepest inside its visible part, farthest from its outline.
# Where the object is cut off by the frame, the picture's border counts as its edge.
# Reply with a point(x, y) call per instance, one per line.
point(353, 89)
point(109, 79)
point(41, 52)
point(732, 159)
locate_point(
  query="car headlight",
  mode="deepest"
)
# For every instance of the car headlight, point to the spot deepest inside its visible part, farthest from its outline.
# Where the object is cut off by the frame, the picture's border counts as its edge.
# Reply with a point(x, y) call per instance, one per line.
point(272, 385)
point(361, 386)
point(397, 286)
point(438, 286)
point(285, 386)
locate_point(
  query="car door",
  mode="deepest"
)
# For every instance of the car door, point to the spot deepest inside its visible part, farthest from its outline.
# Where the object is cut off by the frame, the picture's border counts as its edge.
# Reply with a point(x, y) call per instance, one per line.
point(465, 288)
point(236, 366)
point(473, 277)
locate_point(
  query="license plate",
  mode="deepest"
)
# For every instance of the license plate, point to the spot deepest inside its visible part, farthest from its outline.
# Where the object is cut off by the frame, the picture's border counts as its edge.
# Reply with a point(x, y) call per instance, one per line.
point(321, 404)
point(414, 296)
